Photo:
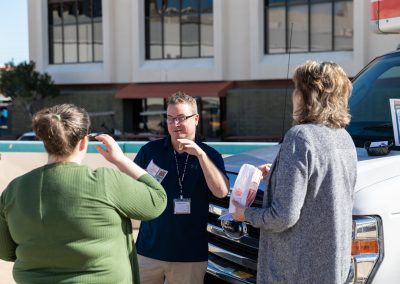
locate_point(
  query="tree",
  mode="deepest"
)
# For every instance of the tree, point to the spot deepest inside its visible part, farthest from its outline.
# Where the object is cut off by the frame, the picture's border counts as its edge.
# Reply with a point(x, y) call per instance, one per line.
point(26, 86)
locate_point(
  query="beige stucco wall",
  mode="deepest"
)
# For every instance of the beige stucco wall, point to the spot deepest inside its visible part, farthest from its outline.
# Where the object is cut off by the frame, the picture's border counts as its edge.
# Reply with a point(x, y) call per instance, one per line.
point(13, 164)
point(238, 47)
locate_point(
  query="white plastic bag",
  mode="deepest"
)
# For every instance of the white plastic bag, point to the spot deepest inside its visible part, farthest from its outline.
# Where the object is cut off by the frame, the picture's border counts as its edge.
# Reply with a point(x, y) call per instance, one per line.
point(244, 190)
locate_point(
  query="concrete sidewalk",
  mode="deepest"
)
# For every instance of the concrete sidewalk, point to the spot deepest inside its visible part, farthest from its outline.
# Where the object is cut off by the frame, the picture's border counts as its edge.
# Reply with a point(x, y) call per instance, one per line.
point(6, 272)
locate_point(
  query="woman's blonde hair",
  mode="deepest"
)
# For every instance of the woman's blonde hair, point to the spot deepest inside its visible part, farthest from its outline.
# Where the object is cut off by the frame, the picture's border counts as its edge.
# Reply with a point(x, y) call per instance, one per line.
point(325, 90)
point(61, 127)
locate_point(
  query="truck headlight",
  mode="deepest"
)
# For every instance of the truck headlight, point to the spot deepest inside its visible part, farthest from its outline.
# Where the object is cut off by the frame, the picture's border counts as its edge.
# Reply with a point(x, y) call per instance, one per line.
point(367, 248)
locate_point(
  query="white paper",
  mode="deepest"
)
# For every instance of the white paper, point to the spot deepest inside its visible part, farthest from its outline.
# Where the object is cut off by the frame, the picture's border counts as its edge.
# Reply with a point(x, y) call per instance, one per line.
point(395, 112)
point(379, 144)
point(244, 190)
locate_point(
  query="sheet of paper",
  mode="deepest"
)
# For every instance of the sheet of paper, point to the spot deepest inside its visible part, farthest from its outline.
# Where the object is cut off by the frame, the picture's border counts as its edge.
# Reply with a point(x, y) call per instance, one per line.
point(395, 112)
point(379, 144)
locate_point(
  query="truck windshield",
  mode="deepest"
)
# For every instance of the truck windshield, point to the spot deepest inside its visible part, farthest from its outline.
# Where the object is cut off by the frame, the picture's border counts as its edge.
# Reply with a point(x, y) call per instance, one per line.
point(369, 104)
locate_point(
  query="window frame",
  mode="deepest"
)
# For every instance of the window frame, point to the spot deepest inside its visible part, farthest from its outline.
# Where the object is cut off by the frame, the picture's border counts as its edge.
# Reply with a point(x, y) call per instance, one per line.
point(147, 45)
point(288, 30)
point(93, 20)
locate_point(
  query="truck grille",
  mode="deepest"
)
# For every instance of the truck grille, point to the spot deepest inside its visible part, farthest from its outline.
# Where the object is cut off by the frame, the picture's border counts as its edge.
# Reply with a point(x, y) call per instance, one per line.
point(235, 258)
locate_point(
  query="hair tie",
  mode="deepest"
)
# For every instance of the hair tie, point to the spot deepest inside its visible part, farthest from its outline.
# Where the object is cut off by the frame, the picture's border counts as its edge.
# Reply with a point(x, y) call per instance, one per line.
point(57, 116)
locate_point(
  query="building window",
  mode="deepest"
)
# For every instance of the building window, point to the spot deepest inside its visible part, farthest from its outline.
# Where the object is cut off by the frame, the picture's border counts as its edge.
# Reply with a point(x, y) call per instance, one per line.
point(308, 25)
point(153, 116)
point(148, 117)
point(179, 29)
point(75, 31)
point(210, 117)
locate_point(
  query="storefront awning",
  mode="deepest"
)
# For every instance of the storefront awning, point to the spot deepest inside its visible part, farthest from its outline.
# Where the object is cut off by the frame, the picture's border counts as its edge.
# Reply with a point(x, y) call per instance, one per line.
point(164, 90)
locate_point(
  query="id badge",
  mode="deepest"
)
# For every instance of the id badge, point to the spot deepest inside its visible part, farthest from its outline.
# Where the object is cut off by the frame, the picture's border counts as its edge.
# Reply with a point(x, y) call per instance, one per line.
point(156, 172)
point(182, 206)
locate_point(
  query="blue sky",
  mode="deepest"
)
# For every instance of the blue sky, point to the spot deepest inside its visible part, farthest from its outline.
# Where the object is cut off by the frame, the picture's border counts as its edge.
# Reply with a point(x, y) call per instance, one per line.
point(13, 31)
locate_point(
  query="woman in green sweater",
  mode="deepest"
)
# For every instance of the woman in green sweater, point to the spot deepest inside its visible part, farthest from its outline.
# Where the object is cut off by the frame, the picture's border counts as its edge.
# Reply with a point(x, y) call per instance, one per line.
point(65, 223)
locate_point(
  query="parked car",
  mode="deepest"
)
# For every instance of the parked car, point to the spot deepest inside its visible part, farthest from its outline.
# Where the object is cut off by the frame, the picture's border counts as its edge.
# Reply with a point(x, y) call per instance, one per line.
point(233, 246)
point(27, 136)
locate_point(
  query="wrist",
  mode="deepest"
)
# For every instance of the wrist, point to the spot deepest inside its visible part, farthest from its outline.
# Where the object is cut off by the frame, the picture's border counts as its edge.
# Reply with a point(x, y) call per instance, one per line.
point(122, 161)
point(201, 154)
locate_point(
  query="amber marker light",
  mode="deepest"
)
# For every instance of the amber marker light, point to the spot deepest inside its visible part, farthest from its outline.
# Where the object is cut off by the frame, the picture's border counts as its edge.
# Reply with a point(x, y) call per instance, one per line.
point(364, 246)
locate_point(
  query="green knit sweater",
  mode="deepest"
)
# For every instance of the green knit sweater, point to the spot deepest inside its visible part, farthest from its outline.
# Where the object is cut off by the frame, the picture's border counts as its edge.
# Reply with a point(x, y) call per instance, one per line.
point(64, 223)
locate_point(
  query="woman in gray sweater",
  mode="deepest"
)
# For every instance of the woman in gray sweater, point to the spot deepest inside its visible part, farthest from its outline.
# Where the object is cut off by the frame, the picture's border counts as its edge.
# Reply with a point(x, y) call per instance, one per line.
point(306, 220)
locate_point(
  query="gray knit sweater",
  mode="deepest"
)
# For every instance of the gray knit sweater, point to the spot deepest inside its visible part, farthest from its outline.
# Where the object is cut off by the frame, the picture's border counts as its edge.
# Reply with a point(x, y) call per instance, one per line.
point(306, 219)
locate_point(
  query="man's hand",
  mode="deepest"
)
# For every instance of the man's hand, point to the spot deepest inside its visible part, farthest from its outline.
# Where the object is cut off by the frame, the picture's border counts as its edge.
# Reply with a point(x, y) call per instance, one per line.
point(190, 147)
point(216, 181)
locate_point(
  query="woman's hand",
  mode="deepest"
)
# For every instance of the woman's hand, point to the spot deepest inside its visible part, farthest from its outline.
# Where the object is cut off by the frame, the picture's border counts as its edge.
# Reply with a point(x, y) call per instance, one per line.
point(251, 196)
point(265, 168)
point(112, 152)
point(239, 213)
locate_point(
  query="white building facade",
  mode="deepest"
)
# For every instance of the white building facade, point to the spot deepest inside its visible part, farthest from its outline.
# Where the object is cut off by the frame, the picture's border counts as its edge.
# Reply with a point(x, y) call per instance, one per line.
point(237, 56)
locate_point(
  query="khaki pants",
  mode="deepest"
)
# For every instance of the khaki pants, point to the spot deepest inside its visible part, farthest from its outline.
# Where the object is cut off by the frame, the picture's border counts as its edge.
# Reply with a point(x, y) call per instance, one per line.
point(154, 271)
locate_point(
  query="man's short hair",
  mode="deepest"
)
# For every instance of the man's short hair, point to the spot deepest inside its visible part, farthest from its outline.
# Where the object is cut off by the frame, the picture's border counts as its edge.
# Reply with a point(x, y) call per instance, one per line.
point(182, 98)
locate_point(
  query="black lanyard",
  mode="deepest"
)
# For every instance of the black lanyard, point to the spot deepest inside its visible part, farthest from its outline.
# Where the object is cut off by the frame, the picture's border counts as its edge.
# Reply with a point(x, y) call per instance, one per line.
point(180, 180)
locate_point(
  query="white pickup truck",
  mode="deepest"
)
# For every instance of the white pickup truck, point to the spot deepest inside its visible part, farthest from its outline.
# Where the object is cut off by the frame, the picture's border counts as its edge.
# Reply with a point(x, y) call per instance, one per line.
point(233, 246)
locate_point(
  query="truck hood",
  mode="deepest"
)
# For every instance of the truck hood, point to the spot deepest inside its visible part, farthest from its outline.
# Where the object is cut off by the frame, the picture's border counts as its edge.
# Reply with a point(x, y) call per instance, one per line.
point(374, 169)
point(371, 169)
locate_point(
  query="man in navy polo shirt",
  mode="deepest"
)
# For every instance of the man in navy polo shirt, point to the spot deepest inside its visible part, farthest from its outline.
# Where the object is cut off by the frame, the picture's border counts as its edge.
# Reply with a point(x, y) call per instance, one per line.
point(173, 247)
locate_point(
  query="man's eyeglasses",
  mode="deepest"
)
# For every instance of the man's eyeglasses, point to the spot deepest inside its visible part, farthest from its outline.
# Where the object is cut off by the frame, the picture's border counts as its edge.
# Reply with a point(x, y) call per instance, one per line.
point(178, 119)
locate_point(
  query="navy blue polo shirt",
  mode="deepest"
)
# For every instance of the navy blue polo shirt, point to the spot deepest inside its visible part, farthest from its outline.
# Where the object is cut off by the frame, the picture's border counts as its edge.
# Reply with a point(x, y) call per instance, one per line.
point(177, 237)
